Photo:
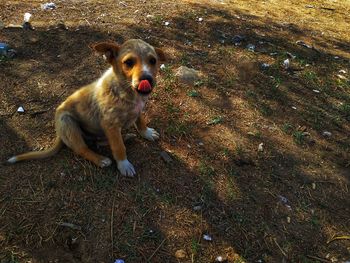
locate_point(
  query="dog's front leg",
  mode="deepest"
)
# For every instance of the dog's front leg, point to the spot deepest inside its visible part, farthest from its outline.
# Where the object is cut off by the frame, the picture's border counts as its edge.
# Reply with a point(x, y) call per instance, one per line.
point(146, 132)
point(115, 140)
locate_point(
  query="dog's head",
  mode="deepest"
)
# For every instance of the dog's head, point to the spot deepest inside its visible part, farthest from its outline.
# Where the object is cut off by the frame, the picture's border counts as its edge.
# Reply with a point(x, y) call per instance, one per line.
point(135, 61)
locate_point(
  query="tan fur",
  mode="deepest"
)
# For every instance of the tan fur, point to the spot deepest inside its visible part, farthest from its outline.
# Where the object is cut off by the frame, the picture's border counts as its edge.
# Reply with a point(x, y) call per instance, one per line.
point(107, 105)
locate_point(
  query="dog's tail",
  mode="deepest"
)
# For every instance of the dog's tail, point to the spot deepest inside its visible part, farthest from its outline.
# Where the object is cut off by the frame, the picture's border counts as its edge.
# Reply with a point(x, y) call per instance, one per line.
point(38, 154)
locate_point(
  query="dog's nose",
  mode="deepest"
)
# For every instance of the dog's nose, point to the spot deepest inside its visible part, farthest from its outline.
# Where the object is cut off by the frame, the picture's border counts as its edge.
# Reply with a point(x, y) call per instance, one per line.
point(147, 77)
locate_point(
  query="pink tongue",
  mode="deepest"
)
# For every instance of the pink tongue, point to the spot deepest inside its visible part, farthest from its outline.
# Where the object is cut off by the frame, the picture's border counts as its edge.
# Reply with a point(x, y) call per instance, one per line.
point(144, 86)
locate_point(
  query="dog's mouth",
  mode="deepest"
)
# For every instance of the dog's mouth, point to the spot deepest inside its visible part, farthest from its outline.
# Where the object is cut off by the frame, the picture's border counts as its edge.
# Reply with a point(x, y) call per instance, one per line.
point(144, 87)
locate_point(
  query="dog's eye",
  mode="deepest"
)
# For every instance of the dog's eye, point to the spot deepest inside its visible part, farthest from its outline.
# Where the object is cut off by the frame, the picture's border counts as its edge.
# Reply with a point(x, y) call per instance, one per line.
point(129, 63)
point(152, 61)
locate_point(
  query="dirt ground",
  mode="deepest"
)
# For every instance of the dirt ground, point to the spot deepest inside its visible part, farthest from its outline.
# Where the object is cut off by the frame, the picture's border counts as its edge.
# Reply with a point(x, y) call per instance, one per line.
point(260, 155)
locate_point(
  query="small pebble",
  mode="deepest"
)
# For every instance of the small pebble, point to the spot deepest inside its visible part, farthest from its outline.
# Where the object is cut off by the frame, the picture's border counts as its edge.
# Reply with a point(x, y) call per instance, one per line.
point(207, 237)
point(251, 47)
point(27, 17)
point(261, 147)
point(286, 63)
point(20, 109)
point(288, 219)
point(219, 259)
point(200, 144)
point(313, 185)
point(265, 65)
point(237, 39)
point(283, 199)
point(197, 208)
point(327, 134)
point(48, 6)
point(180, 254)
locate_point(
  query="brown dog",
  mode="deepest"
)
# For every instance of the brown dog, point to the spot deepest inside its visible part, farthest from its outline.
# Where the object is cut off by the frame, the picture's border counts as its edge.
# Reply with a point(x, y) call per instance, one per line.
point(104, 107)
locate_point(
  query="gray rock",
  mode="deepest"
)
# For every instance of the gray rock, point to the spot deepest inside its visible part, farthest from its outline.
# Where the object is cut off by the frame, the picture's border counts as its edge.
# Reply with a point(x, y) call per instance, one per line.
point(187, 75)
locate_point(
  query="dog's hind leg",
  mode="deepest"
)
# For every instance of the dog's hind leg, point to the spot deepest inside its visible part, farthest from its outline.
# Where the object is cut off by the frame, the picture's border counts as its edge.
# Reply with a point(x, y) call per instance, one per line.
point(71, 134)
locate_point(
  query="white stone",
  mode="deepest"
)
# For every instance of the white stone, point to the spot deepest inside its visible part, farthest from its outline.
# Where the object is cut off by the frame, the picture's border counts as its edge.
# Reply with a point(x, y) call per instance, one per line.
point(20, 109)
point(207, 237)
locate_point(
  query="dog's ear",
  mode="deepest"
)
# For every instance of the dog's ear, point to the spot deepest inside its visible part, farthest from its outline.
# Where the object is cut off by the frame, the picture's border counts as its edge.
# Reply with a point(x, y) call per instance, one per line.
point(160, 54)
point(108, 49)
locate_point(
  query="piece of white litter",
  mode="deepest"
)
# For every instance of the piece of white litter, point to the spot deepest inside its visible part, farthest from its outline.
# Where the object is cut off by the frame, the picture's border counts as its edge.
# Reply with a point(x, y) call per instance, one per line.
point(294, 108)
point(166, 23)
point(150, 16)
point(288, 219)
point(342, 71)
point(286, 63)
point(209, 45)
point(119, 261)
point(48, 6)
point(316, 91)
point(20, 109)
point(162, 66)
point(27, 17)
point(291, 55)
point(313, 185)
point(261, 147)
point(207, 237)
point(219, 259)
point(265, 65)
point(200, 19)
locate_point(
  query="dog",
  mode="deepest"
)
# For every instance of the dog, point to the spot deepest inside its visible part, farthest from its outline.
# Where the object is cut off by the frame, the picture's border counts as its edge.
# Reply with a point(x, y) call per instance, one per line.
point(103, 108)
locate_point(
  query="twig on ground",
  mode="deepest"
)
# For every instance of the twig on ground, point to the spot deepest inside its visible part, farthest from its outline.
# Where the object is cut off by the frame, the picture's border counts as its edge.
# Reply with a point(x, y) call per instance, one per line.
point(282, 251)
point(39, 112)
point(338, 238)
point(155, 251)
point(70, 225)
point(327, 8)
point(318, 258)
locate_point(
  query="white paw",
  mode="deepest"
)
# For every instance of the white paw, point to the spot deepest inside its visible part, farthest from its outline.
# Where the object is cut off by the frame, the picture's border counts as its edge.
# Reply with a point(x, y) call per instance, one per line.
point(105, 162)
point(150, 134)
point(126, 168)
